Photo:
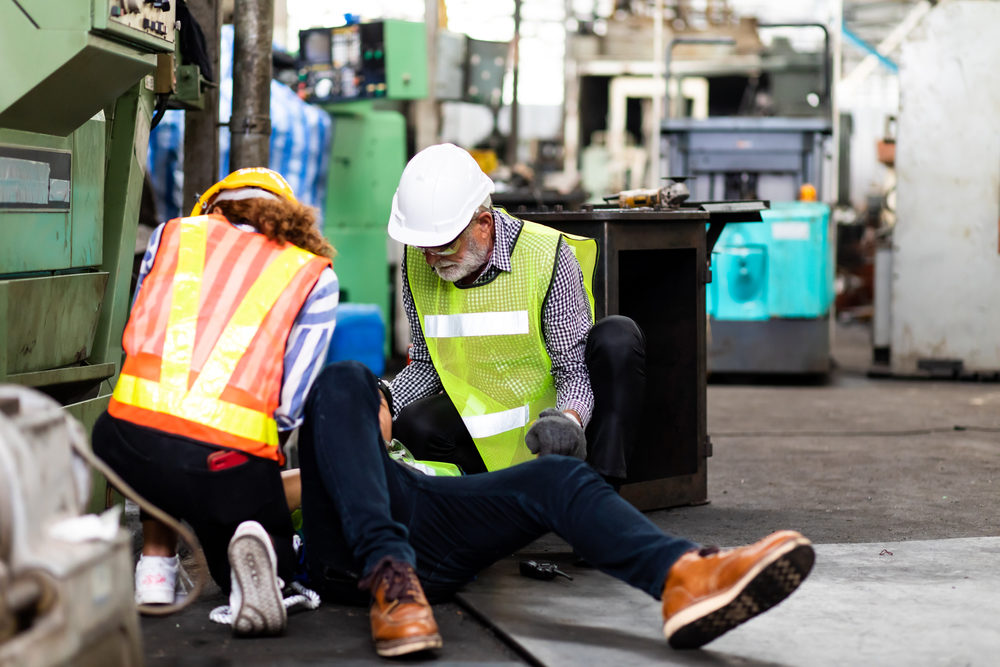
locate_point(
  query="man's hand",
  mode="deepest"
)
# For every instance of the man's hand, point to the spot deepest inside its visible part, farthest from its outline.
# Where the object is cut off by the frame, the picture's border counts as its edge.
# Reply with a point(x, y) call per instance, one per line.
point(556, 433)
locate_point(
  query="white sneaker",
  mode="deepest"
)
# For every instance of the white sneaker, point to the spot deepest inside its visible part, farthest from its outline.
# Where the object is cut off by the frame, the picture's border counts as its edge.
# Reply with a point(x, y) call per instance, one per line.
point(156, 579)
point(255, 600)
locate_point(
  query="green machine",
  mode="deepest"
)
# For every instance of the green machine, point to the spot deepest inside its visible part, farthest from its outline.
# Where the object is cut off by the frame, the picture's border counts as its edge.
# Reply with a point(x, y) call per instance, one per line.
point(358, 73)
point(75, 108)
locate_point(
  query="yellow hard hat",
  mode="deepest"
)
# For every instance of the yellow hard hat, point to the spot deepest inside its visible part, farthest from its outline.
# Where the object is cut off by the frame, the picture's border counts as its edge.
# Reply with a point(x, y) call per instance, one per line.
point(249, 177)
point(807, 192)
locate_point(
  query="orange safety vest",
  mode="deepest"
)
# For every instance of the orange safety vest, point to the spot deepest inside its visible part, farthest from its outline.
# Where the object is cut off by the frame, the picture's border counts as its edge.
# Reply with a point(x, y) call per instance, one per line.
point(205, 342)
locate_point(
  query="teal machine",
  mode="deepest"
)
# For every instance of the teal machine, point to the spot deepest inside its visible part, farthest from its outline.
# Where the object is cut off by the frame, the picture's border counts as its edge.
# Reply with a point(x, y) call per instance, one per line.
point(770, 302)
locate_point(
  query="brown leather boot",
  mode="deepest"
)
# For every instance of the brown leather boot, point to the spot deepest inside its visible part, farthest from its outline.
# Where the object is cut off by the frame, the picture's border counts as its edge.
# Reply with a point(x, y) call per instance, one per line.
point(402, 620)
point(709, 592)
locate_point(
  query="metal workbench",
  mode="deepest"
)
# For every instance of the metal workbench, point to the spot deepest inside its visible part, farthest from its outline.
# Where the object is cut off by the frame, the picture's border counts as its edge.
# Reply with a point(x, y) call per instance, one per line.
point(652, 267)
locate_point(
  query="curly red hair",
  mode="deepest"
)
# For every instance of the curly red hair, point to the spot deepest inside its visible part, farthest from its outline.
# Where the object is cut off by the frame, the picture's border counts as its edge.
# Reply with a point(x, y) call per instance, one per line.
point(280, 220)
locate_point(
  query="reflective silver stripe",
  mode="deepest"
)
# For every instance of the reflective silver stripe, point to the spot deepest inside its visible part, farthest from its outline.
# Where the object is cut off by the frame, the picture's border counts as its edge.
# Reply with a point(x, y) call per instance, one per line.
point(483, 426)
point(476, 324)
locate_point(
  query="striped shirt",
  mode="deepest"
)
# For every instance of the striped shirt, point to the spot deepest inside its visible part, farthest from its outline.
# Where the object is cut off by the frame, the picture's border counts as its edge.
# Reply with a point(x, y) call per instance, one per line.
point(566, 321)
point(308, 340)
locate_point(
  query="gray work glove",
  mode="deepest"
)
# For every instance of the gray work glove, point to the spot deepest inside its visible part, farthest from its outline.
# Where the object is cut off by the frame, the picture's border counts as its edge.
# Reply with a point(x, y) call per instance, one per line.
point(555, 433)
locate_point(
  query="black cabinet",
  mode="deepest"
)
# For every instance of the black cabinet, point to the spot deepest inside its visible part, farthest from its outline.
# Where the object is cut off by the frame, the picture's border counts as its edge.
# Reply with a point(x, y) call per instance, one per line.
point(652, 267)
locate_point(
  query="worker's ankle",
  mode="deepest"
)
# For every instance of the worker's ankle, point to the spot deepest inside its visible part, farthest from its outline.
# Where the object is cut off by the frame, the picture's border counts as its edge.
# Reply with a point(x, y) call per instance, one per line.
point(158, 550)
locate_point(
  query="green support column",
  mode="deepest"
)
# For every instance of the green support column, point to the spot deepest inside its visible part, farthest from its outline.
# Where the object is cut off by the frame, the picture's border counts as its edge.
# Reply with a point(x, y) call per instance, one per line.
point(128, 143)
point(366, 161)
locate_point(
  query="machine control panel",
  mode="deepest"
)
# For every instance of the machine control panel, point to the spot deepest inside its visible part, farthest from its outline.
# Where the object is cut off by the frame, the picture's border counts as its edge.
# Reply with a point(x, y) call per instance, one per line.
point(150, 22)
point(383, 59)
point(339, 65)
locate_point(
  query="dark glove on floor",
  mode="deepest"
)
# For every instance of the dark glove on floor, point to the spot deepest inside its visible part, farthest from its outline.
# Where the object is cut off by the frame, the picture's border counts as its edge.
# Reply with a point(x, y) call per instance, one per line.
point(555, 433)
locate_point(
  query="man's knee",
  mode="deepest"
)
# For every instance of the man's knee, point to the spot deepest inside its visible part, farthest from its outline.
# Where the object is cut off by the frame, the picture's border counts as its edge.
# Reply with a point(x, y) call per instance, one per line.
point(349, 376)
point(555, 470)
point(616, 334)
point(433, 417)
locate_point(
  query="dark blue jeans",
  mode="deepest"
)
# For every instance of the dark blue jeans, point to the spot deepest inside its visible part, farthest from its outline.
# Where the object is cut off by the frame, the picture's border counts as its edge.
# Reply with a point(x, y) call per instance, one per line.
point(359, 505)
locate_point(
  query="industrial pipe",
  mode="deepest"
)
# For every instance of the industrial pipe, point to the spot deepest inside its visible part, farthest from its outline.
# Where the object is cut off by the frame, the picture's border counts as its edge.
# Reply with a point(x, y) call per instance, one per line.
point(201, 126)
point(670, 48)
point(516, 58)
point(827, 78)
point(250, 123)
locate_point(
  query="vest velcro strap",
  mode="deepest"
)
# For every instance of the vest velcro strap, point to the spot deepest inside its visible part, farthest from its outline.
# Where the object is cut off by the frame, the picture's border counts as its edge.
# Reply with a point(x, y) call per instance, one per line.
point(220, 415)
point(505, 323)
point(495, 423)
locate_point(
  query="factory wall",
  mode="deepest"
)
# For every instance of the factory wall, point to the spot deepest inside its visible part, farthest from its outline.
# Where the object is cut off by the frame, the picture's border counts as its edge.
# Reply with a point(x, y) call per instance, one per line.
point(946, 303)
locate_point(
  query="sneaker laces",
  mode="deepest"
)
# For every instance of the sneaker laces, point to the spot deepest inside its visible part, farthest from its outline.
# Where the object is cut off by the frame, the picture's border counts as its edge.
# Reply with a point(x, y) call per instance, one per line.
point(295, 596)
point(398, 577)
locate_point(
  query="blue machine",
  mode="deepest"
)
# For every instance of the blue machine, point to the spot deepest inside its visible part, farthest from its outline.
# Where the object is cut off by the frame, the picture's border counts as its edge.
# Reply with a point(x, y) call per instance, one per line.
point(771, 293)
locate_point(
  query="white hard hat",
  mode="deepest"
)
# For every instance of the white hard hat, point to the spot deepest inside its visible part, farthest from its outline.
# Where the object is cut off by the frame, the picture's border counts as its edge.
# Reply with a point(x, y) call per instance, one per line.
point(441, 187)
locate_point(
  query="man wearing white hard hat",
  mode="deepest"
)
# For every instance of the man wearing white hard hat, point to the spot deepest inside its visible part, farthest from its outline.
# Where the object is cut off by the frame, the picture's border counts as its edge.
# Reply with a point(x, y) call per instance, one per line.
point(506, 361)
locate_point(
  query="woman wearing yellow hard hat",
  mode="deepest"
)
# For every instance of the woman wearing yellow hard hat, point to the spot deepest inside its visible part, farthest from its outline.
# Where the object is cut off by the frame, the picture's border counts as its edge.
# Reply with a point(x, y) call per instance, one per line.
point(234, 310)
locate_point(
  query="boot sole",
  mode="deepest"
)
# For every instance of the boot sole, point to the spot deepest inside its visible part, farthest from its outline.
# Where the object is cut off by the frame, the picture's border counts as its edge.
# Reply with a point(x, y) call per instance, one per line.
point(155, 597)
point(766, 584)
point(262, 612)
point(391, 648)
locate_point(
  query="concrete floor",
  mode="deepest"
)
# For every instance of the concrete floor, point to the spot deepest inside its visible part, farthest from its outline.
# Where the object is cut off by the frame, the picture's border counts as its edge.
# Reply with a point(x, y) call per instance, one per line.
point(920, 602)
point(897, 482)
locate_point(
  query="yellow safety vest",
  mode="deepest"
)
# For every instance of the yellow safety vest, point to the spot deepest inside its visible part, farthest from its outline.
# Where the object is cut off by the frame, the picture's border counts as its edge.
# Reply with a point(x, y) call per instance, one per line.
point(487, 344)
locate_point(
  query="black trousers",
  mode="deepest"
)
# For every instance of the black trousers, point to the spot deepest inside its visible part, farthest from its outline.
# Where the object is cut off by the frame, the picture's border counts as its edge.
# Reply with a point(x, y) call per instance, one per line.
point(616, 361)
point(172, 473)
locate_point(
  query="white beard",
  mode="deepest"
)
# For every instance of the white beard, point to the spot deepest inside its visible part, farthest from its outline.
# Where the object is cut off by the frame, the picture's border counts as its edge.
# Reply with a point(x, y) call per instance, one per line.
point(474, 258)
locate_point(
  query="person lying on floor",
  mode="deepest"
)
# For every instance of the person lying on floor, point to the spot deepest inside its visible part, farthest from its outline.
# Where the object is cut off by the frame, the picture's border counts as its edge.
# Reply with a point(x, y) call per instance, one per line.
point(407, 537)
point(705, 592)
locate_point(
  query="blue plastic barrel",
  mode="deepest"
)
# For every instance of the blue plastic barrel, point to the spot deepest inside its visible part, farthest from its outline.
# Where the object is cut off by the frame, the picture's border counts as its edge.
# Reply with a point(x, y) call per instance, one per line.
point(359, 335)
